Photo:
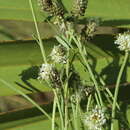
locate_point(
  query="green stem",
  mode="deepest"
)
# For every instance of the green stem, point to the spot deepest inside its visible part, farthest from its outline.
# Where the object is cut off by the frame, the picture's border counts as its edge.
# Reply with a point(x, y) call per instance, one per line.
point(112, 97)
point(66, 107)
point(89, 102)
point(94, 80)
point(26, 97)
point(53, 114)
point(117, 88)
point(82, 52)
point(66, 93)
point(73, 110)
point(59, 109)
point(109, 93)
point(96, 97)
point(38, 33)
point(77, 113)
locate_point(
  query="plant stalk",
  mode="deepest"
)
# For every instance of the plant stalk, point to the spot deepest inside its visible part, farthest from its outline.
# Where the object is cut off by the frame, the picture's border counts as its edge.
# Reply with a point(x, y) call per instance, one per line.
point(53, 114)
point(38, 33)
point(83, 55)
point(117, 88)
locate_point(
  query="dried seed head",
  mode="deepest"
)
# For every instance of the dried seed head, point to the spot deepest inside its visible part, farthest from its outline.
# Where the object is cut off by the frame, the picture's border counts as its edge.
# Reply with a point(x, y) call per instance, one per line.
point(46, 5)
point(79, 8)
point(88, 90)
point(51, 7)
point(58, 10)
point(91, 27)
point(88, 31)
point(55, 79)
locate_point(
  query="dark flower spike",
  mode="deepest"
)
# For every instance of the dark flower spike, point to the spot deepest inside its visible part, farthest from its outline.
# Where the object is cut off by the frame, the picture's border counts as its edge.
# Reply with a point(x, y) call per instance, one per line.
point(79, 8)
point(60, 3)
point(46, 5)
point(52, 7)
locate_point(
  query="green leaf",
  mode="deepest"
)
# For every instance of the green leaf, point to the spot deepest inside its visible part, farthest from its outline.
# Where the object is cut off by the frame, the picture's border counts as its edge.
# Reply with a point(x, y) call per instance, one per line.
point(20, 64)
point(20, 30)
point(20, 61)
point(114, 12)
point(27, 119)
point(17, 10)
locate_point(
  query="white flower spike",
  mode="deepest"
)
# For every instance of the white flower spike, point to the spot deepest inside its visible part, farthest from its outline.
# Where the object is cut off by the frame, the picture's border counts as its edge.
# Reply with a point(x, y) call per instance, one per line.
point(45, 71)
point(58, 54)
point(123, 42)
point(95, 119)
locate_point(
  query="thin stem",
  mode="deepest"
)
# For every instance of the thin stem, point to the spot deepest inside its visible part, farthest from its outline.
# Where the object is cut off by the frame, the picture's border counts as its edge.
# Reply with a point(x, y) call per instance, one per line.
point(38, 33)
point(66, 110)
point(117, 88)
point(112, 97)
point(96, 97)
point(108, 92)
point(73, 110)
point(59, 108)
point(94, 80)
point(89, 102)
point(27, 97)
point(83, 55)
point(77, 113)
point(53, 114)
point(66, 93)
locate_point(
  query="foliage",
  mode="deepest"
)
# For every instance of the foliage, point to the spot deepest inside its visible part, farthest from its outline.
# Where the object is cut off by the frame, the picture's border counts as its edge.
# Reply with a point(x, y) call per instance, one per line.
point(21, 68)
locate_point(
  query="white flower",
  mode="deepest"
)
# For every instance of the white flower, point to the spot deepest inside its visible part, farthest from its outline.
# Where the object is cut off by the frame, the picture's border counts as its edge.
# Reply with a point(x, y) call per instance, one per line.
point(95, 119)
point(123, 41)
point(45, 71)
point(58, 54)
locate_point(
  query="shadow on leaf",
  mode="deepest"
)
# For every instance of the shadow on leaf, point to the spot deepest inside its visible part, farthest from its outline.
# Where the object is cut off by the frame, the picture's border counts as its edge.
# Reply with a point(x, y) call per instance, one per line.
point(26, 75)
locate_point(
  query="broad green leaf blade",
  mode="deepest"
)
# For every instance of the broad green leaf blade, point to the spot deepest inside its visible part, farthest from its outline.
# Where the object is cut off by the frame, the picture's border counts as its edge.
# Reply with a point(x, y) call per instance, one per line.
point(114, 12)
point(20, 63)
point(20, 30)
point(18, 10)
point(28, 118)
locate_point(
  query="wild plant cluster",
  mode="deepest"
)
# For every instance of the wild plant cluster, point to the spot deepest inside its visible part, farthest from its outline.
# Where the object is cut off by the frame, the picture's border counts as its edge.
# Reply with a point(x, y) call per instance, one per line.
point(82, 102)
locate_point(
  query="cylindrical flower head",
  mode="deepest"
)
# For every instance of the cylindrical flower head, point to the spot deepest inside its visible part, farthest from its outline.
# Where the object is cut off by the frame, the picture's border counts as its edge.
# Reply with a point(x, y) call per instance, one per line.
point(80, 7)
point(51, 7)
point(45, 71)
point(95, 119)
point(58, 54)
point(123, 41)
point(48, 72)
